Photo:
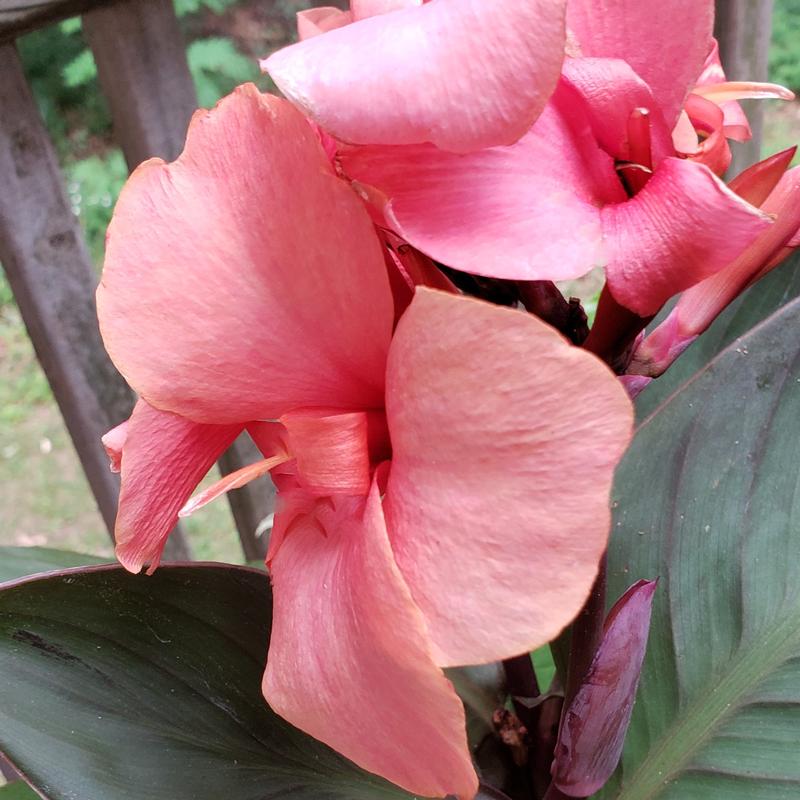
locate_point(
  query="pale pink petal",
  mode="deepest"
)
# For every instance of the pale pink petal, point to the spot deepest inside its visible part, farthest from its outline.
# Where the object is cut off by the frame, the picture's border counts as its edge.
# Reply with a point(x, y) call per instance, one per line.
point(713, 150)
point(683, 227)
point(462, 74)
point(613, 91)
point(164, 457)
point(505, 439)
point(314, 21)
point(349, 659)
point(595, 723)
point(361, 9)
point(529, 211)
point(684, 136)
point(735, 124)
point(666, 43)
point(245, 279)
point(755, 184)
point(113, 442)
point(233, 480)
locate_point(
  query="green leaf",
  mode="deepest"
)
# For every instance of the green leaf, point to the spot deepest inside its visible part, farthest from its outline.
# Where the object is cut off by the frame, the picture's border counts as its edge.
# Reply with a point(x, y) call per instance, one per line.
point(708, 498)
point(124, 687)
point(17, 791)
point(16, 562)
point(217, 66)
point(545, 667)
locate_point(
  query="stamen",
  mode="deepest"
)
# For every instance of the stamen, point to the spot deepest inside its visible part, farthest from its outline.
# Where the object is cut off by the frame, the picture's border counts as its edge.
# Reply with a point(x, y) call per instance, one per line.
point(235, 480)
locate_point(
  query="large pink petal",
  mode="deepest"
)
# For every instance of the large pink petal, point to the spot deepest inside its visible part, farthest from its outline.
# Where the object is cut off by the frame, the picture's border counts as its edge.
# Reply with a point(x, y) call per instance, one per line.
point(163, 458)
point(246, 279)
point(505, 439)
point(528, 211)
point(349, 660)
point(462, 74)
point(666, 42)
point(683, 227)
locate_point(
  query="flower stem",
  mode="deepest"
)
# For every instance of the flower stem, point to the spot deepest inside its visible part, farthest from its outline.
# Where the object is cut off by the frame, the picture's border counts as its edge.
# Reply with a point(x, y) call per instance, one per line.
point(587, 631)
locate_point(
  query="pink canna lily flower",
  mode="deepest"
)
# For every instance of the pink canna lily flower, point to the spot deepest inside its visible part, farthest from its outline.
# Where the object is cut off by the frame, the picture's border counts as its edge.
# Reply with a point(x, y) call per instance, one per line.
point(443, 479)
point(776, 191)
point(598, 179)
point(362, 77)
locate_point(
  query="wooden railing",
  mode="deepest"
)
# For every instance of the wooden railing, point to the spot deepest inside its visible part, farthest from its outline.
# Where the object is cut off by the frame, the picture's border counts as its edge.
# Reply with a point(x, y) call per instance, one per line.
point(143, 73)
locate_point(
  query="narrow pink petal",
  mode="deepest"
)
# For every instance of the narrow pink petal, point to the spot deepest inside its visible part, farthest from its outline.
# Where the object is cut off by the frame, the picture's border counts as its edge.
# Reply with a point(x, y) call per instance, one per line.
point(743, 90)
point(505, 439)
point(594, 726)
point(613, 91)
point(529, 211)
point(233, 480)
point(164, 457)
point(113, 442)
point(331, 449)
point(349, 659)
point(413, 76)
point(683, 227)
point(361, 9)
point(667, 55)
point(755, 184)
point(246, 279)
point(314, 21)
point(700, 305)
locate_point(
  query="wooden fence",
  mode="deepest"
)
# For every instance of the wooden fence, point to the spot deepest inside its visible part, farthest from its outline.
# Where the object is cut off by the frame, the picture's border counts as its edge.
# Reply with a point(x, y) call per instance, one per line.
point(144, 76)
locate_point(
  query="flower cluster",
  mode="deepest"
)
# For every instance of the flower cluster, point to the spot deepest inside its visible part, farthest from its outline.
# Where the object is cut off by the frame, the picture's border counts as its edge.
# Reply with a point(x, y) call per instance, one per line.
point(443, 464)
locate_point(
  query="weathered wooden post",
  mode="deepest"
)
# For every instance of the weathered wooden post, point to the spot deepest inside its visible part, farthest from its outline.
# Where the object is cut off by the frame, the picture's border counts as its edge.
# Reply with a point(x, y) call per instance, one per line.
point(141, 64)
point(743, 29)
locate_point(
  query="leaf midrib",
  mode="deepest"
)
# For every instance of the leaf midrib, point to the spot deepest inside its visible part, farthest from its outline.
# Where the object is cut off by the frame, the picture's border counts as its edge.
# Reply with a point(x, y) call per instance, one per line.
point(683, 739)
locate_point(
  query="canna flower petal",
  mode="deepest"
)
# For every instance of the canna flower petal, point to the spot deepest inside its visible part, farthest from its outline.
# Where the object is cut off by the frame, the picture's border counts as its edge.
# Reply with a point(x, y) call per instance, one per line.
point(209, 305)
point(163, 457)
point(713, 150)
point(314, 21)
point(684, 226)
point(735, 124)
point(646, 35)
point(699, 306)
point(551, 207)
point(497, 502)
point(528, 211)
point(412, 76)
point(349, 660)
point(729, 91)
